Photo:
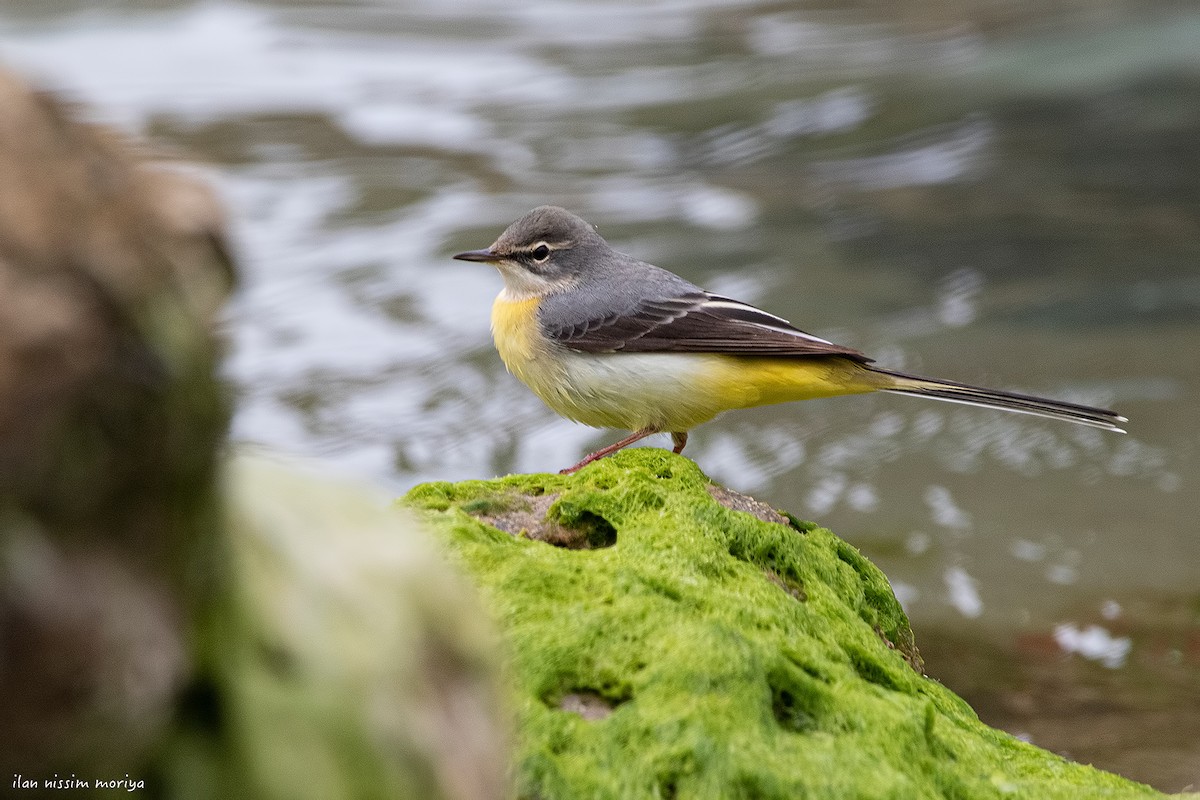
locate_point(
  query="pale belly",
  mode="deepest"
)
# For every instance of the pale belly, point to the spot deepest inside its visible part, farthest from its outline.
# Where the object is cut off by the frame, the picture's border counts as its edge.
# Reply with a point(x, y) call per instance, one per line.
point(662, 391)
point(678, 391)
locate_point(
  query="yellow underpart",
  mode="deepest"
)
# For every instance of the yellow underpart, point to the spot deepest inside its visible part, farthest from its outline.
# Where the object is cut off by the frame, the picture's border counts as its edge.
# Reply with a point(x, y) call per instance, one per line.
point(663, 391)
point(746, 381)
point(514, 329)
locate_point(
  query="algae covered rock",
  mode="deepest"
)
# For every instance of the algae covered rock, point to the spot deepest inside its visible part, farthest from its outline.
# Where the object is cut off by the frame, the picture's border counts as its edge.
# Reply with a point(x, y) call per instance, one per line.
point(670, 639)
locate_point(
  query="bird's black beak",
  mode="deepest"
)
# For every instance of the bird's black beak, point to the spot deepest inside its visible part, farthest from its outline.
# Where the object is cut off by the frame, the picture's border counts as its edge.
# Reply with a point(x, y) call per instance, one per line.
point(486, 256)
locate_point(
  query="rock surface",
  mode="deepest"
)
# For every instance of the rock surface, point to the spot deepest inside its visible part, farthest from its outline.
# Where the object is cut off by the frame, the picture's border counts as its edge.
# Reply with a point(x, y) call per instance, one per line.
point(666, 645)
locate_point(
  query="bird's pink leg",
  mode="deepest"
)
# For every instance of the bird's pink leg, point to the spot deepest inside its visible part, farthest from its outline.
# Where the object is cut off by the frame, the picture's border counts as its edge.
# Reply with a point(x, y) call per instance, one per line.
point(680, 440)
point(636, 436)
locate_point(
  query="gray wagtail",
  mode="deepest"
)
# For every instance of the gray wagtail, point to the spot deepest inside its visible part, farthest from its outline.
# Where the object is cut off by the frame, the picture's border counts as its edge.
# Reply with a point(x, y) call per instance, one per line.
point(613, 342)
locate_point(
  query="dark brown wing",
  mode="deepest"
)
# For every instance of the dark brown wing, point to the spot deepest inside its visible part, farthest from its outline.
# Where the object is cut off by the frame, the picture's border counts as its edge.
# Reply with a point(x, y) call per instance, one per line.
point(694, 322)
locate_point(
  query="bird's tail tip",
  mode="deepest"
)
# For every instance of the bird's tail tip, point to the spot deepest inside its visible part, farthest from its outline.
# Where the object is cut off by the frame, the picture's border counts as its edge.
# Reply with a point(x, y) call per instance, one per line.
point(953, 392)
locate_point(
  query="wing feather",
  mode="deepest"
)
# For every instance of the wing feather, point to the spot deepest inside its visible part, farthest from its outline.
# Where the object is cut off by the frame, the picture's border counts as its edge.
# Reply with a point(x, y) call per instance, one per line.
point(694, 322)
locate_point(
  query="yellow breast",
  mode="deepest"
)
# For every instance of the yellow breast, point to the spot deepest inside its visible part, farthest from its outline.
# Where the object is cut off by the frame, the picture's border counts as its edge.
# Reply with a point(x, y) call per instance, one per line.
point(515, 332)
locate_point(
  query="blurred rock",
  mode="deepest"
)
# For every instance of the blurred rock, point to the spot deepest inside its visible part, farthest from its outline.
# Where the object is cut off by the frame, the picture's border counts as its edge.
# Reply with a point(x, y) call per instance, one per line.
point(346, 662)
point(200, 628)
point(111, 273)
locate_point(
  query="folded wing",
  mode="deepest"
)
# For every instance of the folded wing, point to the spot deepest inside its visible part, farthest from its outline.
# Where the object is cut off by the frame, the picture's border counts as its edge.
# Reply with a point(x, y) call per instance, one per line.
point(694, 322)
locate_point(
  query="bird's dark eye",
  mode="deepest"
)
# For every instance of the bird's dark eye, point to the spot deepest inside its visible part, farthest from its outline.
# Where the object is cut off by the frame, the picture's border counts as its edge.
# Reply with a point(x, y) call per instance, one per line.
point(540, 253)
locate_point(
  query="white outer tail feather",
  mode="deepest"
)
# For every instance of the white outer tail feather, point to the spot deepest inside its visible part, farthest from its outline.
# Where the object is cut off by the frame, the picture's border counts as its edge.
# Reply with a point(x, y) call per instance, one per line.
point(952, 392)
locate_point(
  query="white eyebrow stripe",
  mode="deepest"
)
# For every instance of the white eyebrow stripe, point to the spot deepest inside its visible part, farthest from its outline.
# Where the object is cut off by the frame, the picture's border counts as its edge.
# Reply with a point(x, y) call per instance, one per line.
point(769, 321)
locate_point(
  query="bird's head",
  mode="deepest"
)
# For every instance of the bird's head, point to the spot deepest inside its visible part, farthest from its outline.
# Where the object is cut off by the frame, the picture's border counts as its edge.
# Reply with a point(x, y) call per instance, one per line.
point(542, 252)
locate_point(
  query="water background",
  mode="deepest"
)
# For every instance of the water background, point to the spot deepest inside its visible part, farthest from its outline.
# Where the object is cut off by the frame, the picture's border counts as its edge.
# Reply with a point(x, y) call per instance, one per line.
point(1007, 195)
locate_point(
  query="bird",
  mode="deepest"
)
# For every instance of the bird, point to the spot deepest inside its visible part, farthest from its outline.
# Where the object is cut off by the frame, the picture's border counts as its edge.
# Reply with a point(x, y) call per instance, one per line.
point(609, 341)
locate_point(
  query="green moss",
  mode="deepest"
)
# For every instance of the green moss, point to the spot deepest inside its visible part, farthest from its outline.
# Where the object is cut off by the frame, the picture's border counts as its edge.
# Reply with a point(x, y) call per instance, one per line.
point(736, 657)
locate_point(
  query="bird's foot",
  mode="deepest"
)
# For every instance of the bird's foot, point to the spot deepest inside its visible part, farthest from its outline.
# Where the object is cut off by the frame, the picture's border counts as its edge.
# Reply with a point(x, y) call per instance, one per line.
point(636, 436)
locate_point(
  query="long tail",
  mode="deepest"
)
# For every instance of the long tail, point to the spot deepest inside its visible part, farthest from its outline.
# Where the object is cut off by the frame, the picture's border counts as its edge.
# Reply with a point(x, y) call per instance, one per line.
point(994, 398)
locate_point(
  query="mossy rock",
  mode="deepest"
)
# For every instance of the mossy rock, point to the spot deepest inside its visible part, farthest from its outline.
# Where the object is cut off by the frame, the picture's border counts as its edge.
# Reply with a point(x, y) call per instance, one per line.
point(666, 645)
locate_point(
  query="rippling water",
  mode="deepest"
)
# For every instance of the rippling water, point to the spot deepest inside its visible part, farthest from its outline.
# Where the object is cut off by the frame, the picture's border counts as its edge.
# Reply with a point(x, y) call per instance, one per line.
point(1009, 199)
